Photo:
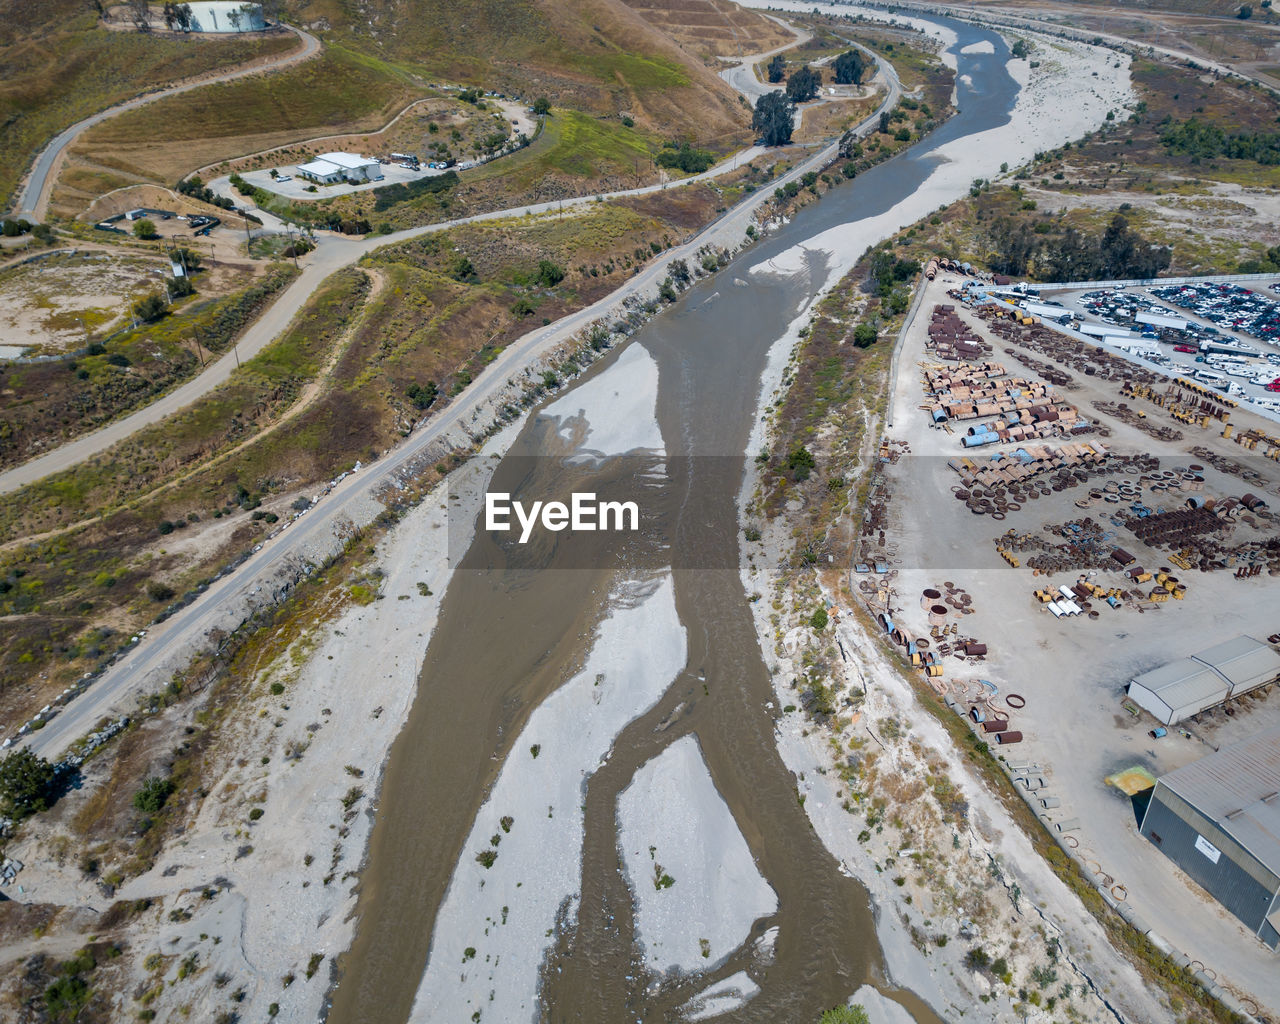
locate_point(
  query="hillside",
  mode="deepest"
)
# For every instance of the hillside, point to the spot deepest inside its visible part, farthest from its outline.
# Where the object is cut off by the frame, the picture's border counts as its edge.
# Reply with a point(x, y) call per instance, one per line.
point(599, 56)
point(57, 66)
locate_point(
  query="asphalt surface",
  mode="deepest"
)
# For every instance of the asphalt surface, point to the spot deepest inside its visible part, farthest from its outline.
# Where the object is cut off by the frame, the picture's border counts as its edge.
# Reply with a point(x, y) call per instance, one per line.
point(332, 253)
point(147, 666)
point(33, 201)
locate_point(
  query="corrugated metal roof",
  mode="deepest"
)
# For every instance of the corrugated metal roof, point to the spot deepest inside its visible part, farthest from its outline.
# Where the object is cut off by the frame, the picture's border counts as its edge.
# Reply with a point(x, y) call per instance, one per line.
point(1229, 788)
point(1244, 661)
point(1184, 684)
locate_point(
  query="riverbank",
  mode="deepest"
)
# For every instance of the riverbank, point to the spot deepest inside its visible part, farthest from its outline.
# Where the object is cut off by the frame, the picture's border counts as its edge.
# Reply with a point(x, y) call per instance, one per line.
point(966, 912)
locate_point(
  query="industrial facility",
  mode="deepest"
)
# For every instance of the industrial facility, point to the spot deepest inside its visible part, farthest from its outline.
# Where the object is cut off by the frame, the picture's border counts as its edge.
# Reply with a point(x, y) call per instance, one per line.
point(1184, 688)
point(334, 168)
point(1218, 819)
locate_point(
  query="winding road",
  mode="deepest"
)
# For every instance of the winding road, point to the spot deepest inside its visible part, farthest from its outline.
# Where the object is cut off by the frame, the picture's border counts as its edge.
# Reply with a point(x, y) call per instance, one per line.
point(332, 253)
point(33, 200)
point(167, 646)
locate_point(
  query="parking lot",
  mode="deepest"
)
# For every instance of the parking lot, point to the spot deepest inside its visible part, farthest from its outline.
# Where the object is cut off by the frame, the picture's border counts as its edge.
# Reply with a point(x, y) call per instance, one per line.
point(298, 187)
point(1213, 347)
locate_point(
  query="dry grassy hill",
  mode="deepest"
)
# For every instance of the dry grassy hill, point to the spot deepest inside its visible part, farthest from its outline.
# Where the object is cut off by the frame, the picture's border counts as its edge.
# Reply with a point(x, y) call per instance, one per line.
point(599, 56)
point(57, 66)
point(713, 28)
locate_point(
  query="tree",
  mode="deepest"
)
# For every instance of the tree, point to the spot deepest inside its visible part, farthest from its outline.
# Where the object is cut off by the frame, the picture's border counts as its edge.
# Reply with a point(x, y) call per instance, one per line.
point(186, 258)
point(884, 127)
point(849, 67)
point(26, 784)
point(145, 229)
point(550, 274)
point(462, 269)
point(151, 307)
point(1245, 13)
point(1021, 48)
point(864, 335)
point(140, 13)
point(422, 396)
point(801, 462)
point(773, 119)
point(803, 84)
point(542, 106)
point(777, 69)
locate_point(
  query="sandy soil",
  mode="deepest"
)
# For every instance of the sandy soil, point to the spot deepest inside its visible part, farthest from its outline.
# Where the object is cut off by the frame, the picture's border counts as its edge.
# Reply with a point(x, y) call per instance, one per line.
point(42, 303)
point(673, 824)
point(279, 909)
point(613, 414)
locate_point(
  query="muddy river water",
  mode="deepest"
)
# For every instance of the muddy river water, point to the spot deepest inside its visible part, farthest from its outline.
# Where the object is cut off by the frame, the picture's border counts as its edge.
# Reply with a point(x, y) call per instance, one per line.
point(516, 623)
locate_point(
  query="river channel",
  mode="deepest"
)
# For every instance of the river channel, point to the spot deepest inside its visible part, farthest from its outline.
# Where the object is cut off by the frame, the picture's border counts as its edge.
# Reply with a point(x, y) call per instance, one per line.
point(518, 623)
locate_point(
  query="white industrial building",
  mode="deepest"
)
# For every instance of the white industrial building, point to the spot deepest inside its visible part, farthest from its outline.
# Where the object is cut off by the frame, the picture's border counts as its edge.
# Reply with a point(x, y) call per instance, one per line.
point(224, 16)
point(333, 168)
point(1183, 688)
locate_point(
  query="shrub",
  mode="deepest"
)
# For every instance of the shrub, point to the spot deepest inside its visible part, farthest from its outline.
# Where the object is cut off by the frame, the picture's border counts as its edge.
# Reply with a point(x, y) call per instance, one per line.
point(153, 794)
point(26, 784)
point(818, 620)
point(550, 274)
point(151, 307)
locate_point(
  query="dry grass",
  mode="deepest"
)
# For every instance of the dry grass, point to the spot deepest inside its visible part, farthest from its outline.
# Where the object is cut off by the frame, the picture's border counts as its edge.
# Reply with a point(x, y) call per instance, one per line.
point(336, 92)
point(59, 67)
point(827, 120)
point(713, 28)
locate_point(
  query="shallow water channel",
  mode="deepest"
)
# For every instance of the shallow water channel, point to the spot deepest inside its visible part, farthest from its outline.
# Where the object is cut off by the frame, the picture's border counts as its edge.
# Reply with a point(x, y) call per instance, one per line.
point(516, 623)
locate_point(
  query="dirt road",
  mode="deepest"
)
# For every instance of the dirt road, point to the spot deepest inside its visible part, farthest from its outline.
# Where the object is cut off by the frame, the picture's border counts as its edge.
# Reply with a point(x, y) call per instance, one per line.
point(33, 200)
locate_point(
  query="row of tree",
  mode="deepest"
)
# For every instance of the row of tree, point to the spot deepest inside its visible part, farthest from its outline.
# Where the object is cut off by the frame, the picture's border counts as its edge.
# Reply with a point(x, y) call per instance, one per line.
point(847, 69)
point(1016, 248)
point(1203, 141)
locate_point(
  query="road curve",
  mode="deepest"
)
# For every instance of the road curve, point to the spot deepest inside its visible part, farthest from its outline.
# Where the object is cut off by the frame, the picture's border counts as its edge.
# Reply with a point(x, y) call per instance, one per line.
point(144, 669)
point(331, 254)
point(33, 199)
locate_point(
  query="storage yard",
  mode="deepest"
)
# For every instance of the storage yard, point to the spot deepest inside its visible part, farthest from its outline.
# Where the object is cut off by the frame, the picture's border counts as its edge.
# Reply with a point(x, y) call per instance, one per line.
point(1221, 335)
point(1108, 522)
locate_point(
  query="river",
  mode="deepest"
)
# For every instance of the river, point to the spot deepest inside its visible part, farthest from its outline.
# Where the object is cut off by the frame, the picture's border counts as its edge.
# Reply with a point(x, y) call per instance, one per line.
point(518, 624)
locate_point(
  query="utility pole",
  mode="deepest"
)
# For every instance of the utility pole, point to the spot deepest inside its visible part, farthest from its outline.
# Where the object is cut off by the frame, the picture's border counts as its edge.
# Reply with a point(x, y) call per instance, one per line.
point(236, 349)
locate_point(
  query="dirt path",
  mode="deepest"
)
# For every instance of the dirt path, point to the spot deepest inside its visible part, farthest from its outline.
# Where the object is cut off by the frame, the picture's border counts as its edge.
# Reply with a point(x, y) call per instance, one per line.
point(33, 198)
point(309, 395)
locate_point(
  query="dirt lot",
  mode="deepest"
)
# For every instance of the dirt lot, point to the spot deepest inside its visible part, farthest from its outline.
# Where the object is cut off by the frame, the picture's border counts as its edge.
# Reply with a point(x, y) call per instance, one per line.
point(1072, 671)
point(49, 305)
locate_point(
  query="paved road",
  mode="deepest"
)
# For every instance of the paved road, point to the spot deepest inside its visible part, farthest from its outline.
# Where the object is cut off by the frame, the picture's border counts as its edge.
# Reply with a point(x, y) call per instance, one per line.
point(146, 668)
point(33, 201)
point(332, 253)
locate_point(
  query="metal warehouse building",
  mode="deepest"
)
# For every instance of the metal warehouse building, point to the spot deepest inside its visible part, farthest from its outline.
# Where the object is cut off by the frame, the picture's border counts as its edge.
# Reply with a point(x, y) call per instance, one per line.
point(1218, 819)
point(1186, 687)
point(331, 168)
